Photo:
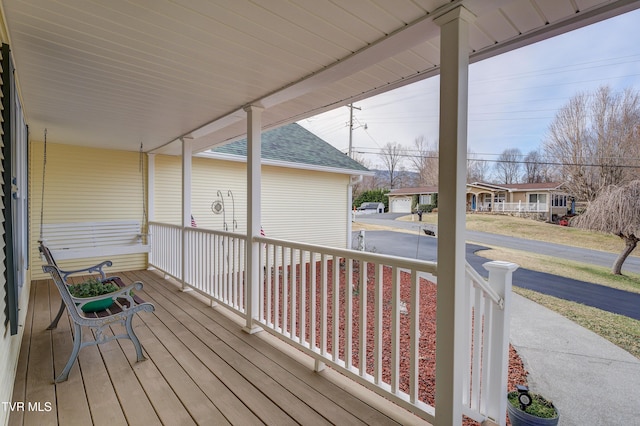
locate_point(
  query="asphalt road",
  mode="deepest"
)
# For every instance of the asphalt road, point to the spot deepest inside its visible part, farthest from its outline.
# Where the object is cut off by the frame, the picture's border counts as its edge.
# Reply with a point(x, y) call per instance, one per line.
point(594, 257)
point(425, 248)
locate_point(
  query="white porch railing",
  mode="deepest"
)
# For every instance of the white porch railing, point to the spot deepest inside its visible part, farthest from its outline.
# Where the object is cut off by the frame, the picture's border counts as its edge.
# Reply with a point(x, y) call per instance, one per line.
point(303, 288)
point(215, 261)
point(521, 207)
point(486, 341)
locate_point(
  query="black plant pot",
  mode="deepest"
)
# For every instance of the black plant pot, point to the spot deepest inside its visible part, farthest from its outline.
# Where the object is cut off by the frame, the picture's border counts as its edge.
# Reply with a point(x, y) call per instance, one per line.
point(521, 418)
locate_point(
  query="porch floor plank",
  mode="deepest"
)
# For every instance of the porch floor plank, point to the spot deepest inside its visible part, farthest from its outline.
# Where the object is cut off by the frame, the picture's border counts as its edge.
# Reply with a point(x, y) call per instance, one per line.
point(20, 386)
point(201, 368)
point(209, 349)
point(277, 365)
point(40, 363)
point(74, 405)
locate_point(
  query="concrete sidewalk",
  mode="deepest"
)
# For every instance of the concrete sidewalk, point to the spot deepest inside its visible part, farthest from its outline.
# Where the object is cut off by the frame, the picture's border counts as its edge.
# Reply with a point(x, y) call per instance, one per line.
point(589, 379)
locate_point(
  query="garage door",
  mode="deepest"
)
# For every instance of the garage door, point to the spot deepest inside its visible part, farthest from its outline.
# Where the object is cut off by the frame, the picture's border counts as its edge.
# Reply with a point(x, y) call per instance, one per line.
point(401, 205)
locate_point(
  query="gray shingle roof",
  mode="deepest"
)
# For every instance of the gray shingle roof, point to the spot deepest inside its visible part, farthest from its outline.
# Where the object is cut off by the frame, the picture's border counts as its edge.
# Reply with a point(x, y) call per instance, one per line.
point(295, 144)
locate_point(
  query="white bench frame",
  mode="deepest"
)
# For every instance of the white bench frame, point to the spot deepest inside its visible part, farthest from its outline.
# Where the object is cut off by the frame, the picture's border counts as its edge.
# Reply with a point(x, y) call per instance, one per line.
point(78, 240)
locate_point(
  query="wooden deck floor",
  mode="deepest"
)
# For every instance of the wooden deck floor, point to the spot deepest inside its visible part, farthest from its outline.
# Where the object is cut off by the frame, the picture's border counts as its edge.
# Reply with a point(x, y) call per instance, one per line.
point(201, 369)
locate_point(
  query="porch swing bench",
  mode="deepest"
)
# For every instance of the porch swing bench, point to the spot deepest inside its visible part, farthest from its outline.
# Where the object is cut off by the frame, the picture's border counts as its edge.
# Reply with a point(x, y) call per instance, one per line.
point(79, 240)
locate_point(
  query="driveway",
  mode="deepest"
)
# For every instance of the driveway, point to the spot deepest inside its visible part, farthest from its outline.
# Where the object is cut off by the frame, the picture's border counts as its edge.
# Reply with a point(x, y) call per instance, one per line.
point(425, 248)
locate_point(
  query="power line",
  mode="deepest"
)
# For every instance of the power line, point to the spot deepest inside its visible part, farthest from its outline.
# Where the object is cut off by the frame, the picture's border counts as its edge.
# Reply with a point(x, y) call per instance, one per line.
point(542, 163)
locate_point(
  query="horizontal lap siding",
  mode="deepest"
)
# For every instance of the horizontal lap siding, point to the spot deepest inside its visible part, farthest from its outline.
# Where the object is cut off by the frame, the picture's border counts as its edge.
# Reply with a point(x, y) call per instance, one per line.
point(297, 204)
point(228, 177)
point(167, 191)
point(85, 185)
point(305, 206)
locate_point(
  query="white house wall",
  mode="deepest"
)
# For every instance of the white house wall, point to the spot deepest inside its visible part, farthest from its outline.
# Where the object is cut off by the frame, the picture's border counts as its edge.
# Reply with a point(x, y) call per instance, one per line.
point(301, 205)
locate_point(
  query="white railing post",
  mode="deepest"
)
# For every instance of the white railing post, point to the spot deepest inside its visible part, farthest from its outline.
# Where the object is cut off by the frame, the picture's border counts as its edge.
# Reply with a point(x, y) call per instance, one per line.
point(500, 280)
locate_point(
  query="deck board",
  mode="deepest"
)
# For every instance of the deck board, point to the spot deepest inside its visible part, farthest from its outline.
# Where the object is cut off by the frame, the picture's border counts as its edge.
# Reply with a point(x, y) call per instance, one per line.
point(200, 341)
point(20, 386)
point(230, 333)
point(76, 405)
point(40, 364)
point(201, 368)
point(235, 370)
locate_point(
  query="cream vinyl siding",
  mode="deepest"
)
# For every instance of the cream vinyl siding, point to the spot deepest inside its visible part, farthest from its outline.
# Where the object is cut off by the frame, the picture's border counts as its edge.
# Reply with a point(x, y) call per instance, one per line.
point(167, 191)
point(305, 206)
point(86, 185)
point(300, 205)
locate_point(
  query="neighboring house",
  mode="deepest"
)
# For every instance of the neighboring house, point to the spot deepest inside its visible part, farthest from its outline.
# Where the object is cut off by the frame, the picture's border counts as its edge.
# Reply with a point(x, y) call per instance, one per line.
point(306, 188)
point(546, 199)
point(543, 199)
point(400, 199)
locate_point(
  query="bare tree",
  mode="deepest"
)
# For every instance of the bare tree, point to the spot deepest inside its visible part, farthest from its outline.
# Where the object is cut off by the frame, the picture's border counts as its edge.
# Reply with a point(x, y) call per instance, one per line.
point(425, 161)
point(616, 117)
point(534, 169)
point(367, 182)
point(508, 165)
point(617, 211)
point(477, 168)
point(392, 154)
point(596, 137)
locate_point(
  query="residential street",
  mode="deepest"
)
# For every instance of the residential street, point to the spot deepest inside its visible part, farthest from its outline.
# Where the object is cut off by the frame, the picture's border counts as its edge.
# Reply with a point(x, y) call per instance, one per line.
point(595, 257)
point(425, 247)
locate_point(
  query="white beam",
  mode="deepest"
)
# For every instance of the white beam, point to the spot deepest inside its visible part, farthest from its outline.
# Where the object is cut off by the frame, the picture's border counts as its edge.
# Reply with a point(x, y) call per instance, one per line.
point(454, 60)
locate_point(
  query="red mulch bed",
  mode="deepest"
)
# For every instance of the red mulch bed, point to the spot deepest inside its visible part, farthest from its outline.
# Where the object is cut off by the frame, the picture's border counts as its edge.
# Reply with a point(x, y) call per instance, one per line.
point(427, 309)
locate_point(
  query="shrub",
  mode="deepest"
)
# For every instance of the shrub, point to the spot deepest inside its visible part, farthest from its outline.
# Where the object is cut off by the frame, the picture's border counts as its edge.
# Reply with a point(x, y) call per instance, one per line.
point(92, 288)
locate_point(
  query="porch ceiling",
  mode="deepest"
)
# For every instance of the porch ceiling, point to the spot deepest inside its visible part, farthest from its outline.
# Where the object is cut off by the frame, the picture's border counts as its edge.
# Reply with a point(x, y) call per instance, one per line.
point(113, 74)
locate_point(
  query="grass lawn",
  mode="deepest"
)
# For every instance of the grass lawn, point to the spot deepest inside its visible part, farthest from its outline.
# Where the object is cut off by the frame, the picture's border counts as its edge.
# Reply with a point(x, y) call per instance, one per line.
point(620, 330)
point(536, 230)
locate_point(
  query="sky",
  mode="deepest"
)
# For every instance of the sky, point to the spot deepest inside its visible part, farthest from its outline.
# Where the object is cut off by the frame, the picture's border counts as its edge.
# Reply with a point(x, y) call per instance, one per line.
point(513, 97)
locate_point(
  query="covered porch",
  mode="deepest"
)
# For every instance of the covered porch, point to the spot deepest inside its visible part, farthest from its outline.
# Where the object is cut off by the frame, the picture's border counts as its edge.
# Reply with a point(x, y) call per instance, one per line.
point(188, 76)
point(200, 369)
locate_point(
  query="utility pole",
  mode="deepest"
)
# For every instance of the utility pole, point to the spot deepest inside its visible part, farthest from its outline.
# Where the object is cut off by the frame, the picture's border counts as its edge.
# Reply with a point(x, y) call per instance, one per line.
point(351, 108)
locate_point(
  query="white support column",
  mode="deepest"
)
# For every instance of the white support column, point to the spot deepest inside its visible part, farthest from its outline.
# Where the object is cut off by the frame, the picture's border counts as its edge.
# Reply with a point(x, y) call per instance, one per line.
point(454, 64)
point(187, 151)
point(353, 180)
point(254, 192)
point(151, 184)
point(349, 214)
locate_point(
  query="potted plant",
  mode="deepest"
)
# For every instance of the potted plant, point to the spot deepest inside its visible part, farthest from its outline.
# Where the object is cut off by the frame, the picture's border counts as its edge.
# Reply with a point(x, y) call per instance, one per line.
point(528, 409)
point(93, 288)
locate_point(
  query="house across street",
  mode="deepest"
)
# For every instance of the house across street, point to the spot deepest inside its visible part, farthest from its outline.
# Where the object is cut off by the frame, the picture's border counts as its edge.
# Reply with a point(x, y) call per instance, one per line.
point(538, 199)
